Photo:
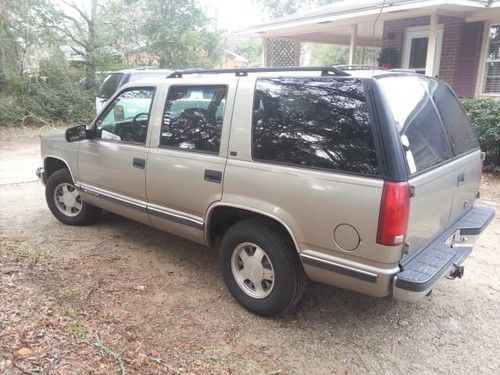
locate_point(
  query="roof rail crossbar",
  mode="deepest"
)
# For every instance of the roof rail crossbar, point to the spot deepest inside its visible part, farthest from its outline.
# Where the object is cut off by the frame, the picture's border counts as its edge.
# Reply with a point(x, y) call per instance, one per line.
point(241, 72)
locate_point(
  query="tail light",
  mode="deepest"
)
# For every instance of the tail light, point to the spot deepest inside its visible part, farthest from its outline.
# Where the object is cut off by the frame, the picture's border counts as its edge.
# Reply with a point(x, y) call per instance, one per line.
point(394, 211)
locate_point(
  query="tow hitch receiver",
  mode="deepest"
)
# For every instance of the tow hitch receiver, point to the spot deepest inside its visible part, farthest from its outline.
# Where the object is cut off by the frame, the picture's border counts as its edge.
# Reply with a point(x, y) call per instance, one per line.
point(457, 272)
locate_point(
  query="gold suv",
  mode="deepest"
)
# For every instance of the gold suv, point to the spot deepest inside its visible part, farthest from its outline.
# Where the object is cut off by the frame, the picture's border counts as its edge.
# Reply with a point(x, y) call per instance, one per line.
point(366, 183)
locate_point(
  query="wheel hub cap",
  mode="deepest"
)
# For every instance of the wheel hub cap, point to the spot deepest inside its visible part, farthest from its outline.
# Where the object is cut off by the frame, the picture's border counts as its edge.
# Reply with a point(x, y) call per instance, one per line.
point(67, 199)
point(252, 269)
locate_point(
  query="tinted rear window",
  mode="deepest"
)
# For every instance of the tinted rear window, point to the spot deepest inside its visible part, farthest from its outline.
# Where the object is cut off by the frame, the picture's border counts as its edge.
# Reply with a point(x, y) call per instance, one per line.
point(109, 86)
point(313, 122)
point(454, 117)
point(419, 124)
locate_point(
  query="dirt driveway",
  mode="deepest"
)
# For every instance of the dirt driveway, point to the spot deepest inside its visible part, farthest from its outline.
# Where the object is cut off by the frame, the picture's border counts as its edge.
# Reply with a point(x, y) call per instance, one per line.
point(120, 297)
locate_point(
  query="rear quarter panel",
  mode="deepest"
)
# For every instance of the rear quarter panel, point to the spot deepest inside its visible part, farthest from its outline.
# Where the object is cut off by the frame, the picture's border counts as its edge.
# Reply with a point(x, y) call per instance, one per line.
point(312, 203)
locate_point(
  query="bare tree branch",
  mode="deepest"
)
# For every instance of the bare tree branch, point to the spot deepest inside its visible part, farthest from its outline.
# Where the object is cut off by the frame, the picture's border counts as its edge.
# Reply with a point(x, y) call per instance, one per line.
point(80, 11)
point(77, 50)
point(70, 35)
point(74, 20)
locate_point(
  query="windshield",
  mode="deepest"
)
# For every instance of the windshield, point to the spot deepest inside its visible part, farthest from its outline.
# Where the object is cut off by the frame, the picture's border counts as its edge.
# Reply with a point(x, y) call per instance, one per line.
point(109, 86)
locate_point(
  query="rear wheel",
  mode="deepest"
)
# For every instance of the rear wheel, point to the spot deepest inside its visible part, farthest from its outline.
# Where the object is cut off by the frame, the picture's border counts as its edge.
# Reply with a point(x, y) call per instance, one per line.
point(65, 201)
point(261, 267)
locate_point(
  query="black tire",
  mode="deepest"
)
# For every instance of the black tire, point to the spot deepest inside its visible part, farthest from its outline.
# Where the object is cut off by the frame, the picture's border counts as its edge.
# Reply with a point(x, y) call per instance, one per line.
point(88, 214)
point(290, 280)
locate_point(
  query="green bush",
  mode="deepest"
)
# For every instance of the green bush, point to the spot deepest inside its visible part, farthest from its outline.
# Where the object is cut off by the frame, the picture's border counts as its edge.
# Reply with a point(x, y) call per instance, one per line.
point(54, 94)
point(10, 111)
point(485, 117)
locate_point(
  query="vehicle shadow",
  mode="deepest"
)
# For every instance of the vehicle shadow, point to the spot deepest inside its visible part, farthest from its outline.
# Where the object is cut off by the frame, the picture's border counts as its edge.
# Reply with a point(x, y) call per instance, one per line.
point(321, 303)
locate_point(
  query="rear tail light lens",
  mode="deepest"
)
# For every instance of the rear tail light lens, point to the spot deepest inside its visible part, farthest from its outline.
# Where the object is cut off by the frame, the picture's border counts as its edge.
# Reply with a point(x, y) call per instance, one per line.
point(394, 211)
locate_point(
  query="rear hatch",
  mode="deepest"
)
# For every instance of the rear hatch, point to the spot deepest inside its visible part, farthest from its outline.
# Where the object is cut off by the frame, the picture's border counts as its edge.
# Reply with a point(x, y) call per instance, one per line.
point(442, 153)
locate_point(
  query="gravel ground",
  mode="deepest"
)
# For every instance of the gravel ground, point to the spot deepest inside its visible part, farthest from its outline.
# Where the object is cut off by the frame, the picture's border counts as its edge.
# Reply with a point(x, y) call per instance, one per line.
point(122, 297)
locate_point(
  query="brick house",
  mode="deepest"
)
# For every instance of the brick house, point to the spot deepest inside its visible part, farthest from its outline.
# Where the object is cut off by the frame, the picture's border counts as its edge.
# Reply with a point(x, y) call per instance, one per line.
point(457, 40)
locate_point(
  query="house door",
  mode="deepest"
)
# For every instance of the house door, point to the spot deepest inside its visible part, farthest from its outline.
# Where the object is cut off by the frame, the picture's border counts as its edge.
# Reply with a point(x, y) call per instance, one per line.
point(415, 50)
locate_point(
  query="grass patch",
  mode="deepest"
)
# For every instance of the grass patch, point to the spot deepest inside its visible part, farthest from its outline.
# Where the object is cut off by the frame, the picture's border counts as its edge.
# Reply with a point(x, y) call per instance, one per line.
point(76, 328)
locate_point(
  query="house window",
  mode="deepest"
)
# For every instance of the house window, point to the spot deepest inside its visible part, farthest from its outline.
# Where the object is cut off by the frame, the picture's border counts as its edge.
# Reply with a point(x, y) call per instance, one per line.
point(492, 77)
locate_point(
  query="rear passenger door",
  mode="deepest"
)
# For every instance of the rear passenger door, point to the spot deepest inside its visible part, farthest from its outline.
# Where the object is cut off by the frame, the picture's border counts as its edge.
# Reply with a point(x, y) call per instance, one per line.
point(188, 155)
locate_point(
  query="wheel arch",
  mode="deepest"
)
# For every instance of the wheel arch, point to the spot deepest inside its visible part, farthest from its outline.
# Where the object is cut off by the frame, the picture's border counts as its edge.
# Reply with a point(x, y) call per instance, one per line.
point(233, 213)
point(52, 164)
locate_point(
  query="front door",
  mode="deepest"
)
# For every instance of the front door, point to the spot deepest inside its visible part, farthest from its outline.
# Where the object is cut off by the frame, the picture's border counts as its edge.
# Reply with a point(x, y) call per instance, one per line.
point(188, 156)
point(112, 165)
point(415, 50)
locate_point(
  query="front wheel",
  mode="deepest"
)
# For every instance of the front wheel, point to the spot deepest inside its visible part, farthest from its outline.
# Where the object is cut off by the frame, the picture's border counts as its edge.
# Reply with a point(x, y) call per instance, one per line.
point(261, 267)
point(65, 201)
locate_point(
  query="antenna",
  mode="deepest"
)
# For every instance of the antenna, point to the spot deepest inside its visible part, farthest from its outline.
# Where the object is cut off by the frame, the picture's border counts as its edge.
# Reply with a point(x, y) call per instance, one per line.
point(373, 34)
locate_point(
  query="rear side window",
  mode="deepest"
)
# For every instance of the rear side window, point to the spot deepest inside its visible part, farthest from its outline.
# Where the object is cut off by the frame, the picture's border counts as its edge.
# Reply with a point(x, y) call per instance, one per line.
point(193, 118)
point(109, 86)
point(454, 117)
point(313, 123)
point(422, 133)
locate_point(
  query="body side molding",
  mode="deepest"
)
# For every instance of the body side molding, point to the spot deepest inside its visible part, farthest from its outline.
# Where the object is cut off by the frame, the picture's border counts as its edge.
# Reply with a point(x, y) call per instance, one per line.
point(142, 206)
point(338, 268)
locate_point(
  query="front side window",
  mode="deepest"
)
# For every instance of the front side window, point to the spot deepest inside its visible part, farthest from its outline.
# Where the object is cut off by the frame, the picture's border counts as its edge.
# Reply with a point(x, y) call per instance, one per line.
point(193, 118)
point(422, 133)
point(492, 74)
point(126, 118)
point(313, 123)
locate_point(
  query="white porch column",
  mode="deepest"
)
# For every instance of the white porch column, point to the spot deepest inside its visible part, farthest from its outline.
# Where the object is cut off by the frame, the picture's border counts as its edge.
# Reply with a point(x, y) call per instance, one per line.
point(431, 47)
point(352, 45)
point(265, 51)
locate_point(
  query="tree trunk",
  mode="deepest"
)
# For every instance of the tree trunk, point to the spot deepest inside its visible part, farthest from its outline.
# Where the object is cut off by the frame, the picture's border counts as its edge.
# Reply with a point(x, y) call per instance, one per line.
point(90, 70)
point(3, 78)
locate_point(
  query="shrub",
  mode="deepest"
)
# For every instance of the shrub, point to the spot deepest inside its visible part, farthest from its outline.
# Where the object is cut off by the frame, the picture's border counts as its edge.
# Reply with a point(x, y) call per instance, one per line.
point(485, 117)
point(54, 94)
point(10, 111)
point(388, 58)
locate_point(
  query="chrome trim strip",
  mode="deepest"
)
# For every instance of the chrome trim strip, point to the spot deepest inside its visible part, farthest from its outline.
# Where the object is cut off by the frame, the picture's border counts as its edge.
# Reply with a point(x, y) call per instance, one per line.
point(113, 197)
point(179, 219)
point(142, 206)
point(335, 267)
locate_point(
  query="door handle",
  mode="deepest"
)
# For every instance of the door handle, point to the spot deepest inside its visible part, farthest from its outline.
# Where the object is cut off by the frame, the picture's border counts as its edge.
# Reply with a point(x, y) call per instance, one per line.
point(460, 178)
point(139, 163)
point(213, 176)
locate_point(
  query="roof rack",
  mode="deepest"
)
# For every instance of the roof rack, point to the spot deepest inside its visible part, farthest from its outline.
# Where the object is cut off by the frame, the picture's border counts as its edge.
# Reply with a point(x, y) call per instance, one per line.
point(241, 72)
point(357, 67)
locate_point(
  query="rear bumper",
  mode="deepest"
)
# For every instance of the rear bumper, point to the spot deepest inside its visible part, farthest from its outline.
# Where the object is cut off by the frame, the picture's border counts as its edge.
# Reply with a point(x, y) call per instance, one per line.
point(441, 258)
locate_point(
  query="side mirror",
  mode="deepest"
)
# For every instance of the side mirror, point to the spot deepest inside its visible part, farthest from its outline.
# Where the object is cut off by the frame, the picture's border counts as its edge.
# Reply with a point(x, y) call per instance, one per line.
point(76, 133)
